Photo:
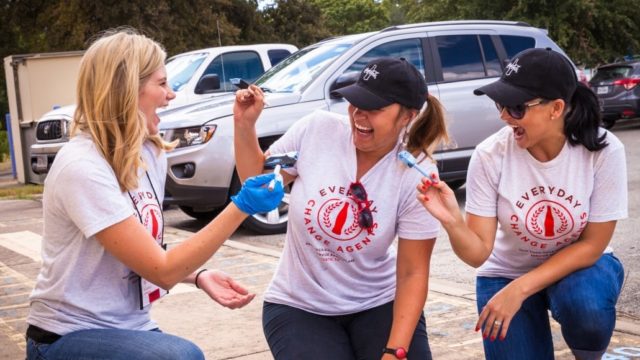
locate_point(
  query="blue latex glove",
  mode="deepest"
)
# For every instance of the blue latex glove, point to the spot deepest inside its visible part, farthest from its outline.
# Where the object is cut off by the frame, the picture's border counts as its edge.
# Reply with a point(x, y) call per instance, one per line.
point(255, 197)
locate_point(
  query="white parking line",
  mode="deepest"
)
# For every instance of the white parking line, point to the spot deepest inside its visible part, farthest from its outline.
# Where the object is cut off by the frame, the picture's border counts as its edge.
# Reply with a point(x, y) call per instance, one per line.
point(28, 243)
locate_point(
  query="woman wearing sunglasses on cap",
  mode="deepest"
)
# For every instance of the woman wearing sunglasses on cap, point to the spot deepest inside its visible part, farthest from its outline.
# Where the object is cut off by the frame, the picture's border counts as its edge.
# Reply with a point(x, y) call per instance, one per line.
point(337, 292)
point(543, 197)
point(103, 259)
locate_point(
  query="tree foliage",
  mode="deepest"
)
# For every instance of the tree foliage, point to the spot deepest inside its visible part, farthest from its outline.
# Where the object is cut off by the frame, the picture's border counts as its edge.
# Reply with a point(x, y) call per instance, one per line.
point(590, 31)
point(354, 16)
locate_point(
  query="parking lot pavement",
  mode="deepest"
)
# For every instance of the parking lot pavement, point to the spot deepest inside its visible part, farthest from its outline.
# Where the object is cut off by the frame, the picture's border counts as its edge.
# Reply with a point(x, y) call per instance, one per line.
point(237, 334)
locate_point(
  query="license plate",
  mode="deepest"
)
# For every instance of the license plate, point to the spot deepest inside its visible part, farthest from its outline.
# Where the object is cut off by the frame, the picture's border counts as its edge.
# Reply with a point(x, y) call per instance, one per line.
point(602, 90)
point(42, 161)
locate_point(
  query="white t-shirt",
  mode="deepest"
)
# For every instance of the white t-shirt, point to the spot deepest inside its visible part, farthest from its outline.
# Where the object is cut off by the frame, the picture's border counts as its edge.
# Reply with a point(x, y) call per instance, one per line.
point(81, 285)
point(542, 207)
point(329, 265)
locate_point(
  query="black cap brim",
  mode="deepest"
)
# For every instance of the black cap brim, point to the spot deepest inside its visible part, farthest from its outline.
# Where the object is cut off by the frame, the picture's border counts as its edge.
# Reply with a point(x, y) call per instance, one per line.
point(504, 93)
point(362, 98)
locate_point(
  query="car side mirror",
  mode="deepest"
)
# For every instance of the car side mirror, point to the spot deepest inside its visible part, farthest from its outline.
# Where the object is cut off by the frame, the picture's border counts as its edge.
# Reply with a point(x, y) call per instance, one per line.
point(207, 84)
point(342, 81)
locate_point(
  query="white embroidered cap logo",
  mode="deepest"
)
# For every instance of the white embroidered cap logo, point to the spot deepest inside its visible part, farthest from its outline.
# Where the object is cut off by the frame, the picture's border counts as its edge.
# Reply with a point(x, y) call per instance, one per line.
point(370, 72)
point(512, 67)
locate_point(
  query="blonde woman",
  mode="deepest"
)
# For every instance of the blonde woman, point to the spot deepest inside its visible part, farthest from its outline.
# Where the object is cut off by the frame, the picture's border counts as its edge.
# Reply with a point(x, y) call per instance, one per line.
point(103, 261)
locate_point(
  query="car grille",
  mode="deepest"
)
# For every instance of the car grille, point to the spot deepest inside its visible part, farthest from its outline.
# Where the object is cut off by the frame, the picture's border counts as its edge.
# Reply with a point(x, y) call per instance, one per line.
point(49, 130)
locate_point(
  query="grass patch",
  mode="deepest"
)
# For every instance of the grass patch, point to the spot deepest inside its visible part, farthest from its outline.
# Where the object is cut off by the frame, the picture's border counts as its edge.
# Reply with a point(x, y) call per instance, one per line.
point(21, 191)
point(5, 165)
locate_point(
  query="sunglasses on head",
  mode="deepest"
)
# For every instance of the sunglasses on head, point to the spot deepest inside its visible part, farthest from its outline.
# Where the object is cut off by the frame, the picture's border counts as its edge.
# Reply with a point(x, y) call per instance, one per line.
point(518, 111)
point(359, 195)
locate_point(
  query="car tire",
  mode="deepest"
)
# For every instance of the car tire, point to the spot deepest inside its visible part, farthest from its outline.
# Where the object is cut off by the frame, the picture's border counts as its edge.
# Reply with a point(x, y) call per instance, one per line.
point(608, 123)
point(456, 184)
point(273, 222)
point(200, 215)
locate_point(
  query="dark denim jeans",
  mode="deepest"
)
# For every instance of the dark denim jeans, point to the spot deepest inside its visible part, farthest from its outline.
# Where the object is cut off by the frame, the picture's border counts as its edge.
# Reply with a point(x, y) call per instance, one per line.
point(584, 303)
point(115, 344)
point(295, 334)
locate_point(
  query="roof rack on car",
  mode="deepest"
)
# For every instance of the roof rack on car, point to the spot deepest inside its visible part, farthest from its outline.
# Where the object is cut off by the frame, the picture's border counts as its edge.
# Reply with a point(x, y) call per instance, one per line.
point(457, 22)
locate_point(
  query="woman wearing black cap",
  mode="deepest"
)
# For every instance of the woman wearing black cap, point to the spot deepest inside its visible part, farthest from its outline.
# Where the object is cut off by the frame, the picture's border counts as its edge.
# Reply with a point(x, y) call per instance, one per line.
point(337, 292)
point(543, 197)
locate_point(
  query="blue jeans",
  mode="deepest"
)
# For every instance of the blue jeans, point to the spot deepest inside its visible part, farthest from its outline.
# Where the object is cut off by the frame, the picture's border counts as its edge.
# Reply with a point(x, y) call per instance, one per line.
point(115, 344)
point(584, 303)
point(295, 334)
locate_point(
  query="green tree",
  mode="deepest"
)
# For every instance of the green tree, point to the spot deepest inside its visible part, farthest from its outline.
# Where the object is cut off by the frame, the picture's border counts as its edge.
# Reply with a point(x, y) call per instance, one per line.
point(590, 31)
point(353, 16)
point(297, 22)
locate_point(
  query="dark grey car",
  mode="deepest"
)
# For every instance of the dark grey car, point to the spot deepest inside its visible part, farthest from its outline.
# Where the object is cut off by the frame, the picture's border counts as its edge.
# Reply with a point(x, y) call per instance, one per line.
point(617, 86)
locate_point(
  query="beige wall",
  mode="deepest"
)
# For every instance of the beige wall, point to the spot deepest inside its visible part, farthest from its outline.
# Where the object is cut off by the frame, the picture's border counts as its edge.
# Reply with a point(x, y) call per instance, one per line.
point(35, 84)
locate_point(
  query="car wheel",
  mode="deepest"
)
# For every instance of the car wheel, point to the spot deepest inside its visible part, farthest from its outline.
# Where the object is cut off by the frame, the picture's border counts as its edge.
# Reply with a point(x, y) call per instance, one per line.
point(608, 123)
point(456, 184)
point(200, 215)
point(273, 222)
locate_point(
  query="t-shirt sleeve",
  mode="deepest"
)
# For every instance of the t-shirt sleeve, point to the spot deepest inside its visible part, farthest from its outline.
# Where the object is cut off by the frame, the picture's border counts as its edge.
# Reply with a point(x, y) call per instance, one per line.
point(414, 221)
point(90, 196)
point(609, 198)
point(482, 185)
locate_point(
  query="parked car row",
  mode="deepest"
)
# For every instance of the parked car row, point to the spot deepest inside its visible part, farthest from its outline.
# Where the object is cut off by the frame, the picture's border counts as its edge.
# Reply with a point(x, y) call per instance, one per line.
point(617, 88)
point(454, 56)
point(194, 76)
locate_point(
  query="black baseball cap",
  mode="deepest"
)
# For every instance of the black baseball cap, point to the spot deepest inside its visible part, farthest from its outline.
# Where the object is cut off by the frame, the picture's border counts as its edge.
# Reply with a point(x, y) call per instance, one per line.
point(385, 81)
point(533, 73)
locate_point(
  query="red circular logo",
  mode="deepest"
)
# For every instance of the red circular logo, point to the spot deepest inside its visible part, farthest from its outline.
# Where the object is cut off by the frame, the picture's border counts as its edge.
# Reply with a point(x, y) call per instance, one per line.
point(338, 218)
point(548, 220)
point(151, 219)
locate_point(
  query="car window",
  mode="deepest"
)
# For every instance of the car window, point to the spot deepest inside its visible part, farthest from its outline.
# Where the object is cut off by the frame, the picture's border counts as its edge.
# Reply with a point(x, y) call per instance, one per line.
point(277, 55)
point(514, 44)
point(610, 73)
point(460, 57)
point(180, 69)
point(410, 49)
point(241, 64)
point(298, 70)
point(491, 59)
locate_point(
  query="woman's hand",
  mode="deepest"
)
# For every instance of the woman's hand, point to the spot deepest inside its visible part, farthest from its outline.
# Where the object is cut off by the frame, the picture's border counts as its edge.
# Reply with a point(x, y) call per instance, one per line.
point(259, 194)
point(438, 198)
point(248, 105)
point(497, 314)
point(224, 290)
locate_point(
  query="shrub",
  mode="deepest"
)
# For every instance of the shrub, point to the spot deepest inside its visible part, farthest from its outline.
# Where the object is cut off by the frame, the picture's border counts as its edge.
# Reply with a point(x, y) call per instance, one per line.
point(4, 145)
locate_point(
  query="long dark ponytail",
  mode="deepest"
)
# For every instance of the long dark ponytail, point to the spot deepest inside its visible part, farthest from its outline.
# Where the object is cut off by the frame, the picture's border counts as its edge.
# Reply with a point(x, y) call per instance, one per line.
point(582, 122)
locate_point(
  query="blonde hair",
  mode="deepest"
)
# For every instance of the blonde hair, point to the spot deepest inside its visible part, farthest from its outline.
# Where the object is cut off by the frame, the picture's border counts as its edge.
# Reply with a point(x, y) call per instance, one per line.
point(112, 72)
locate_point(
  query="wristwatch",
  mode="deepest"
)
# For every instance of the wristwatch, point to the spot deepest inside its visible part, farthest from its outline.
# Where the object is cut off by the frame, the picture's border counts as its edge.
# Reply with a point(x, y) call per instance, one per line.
point(399, 353)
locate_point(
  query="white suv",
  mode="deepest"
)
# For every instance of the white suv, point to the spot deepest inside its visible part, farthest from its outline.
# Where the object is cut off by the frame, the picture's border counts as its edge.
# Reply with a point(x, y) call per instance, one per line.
point(456, 57)
point(194, 76)
point(200, 74)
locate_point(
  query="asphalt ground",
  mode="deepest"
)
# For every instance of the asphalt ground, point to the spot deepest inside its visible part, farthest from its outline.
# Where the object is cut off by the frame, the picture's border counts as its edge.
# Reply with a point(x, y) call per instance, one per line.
point(237, 334)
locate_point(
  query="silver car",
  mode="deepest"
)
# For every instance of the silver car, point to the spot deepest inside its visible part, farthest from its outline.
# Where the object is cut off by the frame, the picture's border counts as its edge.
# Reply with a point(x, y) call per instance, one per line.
point(455, 57)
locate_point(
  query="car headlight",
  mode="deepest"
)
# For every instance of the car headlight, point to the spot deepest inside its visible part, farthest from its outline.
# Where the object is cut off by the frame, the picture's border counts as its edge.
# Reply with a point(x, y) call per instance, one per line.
point(190, 136)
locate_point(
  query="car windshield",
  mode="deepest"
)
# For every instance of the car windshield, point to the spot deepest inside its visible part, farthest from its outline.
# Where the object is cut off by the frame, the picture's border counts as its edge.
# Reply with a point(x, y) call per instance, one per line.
point(180, 69)
point(611, 73)
point(298, 70)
